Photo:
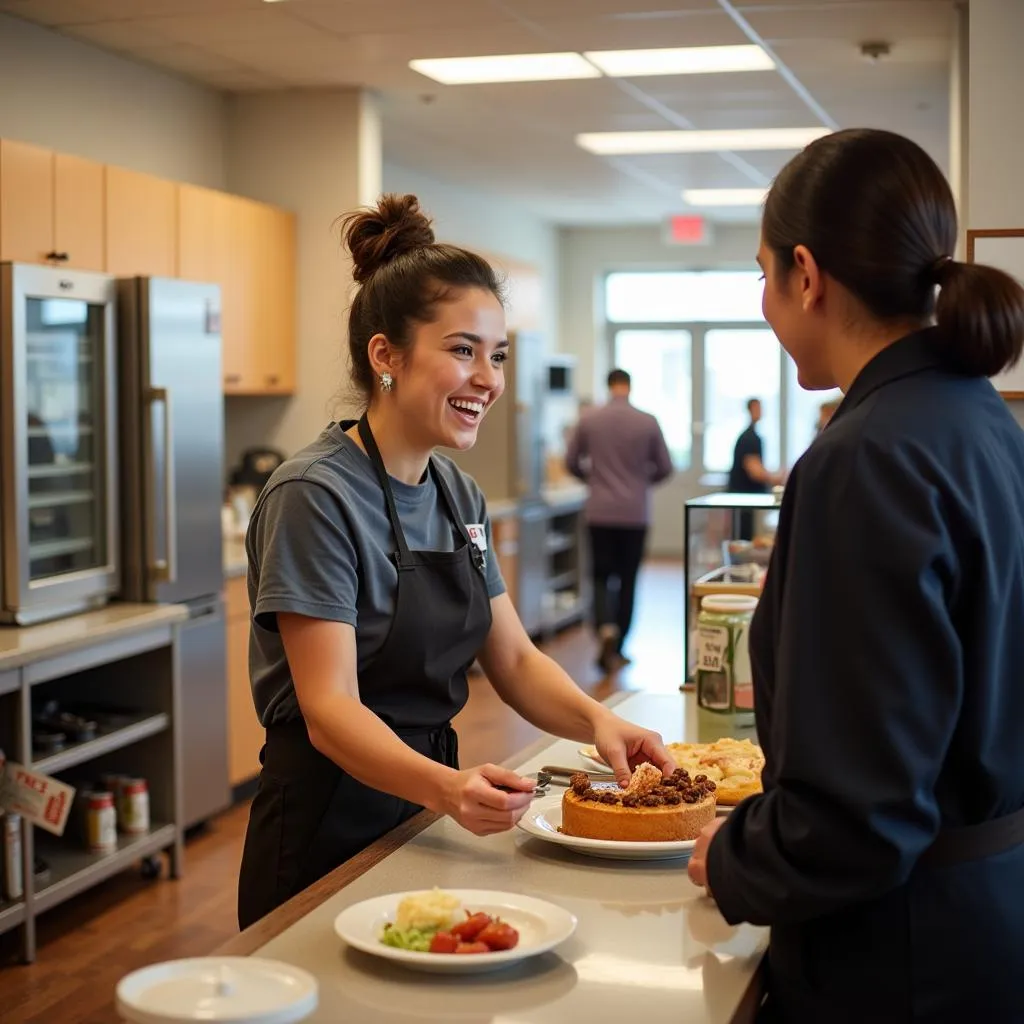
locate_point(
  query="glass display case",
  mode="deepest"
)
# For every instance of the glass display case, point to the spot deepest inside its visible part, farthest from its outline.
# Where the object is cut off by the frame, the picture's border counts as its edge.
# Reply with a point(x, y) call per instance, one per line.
point(59, 457)
point(728, 541)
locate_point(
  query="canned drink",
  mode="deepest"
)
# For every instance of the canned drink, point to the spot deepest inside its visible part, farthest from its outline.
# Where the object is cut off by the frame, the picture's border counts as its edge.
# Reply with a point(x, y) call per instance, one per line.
point(13, 887)
point(101, 822)
point(133, 809)
point(111, 782)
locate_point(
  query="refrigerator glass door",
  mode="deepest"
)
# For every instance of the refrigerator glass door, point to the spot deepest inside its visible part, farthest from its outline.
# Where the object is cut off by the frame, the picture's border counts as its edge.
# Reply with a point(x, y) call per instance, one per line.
point(59, 481)
point(183, 428)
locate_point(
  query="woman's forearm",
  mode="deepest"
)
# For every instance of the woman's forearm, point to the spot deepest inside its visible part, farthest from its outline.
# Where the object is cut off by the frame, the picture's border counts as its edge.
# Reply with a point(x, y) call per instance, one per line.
point(354, 738)
point(548, 698)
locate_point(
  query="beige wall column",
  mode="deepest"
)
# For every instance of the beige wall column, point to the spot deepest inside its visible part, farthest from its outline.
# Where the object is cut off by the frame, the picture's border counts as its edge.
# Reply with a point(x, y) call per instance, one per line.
point(317, 153)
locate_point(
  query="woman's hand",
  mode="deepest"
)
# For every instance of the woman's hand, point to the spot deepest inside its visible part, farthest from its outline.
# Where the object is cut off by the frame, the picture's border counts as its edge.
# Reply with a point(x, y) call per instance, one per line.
point(474, 801)
point(624, 746)
point(697, 869)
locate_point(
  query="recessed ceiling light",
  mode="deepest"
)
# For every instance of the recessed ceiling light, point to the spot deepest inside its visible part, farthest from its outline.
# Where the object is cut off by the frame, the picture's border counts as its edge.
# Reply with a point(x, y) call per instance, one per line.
point(514, 67)
point(724, 196)
point(686, 60)
point(618, 143)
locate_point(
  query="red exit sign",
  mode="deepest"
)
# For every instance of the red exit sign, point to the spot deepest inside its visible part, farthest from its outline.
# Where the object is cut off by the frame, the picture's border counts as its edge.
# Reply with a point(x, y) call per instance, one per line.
point(687, 229)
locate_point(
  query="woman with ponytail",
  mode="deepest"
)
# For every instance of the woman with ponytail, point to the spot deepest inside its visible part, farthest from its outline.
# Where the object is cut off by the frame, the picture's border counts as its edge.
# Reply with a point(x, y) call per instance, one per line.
point(887, 850)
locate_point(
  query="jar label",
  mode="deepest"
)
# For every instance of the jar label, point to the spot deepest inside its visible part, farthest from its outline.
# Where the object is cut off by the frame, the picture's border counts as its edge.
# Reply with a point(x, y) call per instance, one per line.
point(712, 648)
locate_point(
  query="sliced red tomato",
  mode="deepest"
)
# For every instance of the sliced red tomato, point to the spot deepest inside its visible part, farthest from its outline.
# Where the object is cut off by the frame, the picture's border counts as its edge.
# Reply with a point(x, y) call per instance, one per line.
point(472, 947)
point(469, 929)
point(498, 935)
point(444, 942)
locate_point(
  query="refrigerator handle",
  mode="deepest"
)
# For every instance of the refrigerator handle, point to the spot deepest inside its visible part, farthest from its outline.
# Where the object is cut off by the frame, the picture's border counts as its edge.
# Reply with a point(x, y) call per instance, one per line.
point(164, 570)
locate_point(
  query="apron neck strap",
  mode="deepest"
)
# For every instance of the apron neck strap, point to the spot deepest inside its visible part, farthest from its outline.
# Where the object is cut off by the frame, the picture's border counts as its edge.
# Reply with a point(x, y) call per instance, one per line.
point(370, 443)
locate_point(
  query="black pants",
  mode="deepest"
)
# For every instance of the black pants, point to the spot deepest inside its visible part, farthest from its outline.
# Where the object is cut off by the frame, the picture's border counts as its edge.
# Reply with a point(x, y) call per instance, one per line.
point(616, 553)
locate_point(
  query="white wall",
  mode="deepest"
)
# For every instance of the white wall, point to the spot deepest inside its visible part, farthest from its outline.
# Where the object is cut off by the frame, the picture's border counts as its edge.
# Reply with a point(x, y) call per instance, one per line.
point(587, 254)
point(66, 95)
point(996, 128)
point(481, 220)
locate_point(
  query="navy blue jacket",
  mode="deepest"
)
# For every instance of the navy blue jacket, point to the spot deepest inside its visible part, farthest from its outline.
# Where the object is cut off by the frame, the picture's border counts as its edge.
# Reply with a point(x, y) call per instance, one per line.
point(888, 659)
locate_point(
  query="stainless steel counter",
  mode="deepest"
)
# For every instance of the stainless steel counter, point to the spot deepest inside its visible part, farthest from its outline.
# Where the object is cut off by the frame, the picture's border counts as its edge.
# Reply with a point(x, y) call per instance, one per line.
point(22, 645)
point(649, 947)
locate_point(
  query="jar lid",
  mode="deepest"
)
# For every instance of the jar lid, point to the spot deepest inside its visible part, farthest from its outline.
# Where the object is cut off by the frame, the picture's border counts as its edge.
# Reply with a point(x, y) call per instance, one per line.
point(225, 990)
point(728, 603)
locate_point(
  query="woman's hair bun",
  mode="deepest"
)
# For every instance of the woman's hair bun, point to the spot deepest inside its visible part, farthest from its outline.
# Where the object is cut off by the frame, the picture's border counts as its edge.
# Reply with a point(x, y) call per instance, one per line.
point(377, 235)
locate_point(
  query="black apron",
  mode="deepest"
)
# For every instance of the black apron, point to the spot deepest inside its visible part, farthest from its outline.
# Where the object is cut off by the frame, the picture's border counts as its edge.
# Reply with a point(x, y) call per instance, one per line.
point(308, 815)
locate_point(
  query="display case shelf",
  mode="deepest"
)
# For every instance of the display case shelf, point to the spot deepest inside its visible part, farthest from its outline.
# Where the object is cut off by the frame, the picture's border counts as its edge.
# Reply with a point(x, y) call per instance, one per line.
point(11, 915)
point(79, 753)
point(73, 870)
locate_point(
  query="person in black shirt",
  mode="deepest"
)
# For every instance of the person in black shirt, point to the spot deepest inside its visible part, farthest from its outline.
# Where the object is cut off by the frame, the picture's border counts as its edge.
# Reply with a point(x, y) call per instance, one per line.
point(748, 474)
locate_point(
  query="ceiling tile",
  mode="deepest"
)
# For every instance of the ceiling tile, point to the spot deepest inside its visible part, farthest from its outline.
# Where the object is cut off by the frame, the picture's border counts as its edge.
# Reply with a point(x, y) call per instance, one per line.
point(356, 16)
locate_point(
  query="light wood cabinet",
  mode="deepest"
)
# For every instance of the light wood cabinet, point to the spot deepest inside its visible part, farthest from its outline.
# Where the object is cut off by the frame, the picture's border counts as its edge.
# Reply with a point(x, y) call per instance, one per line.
point(245, 734)
point(79, 202)
point(65, 210)
point(141, 224)
point(51, 207)
point(248, 248)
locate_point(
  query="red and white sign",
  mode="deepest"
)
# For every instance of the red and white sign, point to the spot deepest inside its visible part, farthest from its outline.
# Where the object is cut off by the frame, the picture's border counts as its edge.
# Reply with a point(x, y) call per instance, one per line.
point(40, 799)
point(687, 229)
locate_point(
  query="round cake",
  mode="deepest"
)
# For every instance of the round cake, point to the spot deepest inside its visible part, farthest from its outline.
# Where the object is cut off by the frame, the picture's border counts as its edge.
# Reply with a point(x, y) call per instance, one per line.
point(651, 810)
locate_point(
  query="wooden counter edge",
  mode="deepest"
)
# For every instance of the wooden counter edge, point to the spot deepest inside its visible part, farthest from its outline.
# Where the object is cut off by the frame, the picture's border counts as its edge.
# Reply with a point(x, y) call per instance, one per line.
point(279, 920)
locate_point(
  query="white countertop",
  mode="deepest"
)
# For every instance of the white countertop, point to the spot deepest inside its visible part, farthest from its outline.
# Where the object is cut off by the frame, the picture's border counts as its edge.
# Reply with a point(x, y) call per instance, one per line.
point(649, 947)
point(23, 645)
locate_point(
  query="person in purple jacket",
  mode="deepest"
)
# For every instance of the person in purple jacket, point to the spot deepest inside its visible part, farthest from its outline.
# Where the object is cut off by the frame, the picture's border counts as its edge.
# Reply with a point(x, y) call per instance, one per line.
point(620, 452)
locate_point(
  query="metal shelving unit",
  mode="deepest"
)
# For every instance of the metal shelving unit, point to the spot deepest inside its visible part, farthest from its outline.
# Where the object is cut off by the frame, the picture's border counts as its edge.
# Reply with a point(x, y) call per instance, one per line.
point(140, 672)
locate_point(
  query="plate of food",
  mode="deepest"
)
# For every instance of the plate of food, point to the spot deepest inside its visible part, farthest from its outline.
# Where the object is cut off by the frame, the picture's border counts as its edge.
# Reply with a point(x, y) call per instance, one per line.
point(733, 765)
point(457, 931)
point(652, 819)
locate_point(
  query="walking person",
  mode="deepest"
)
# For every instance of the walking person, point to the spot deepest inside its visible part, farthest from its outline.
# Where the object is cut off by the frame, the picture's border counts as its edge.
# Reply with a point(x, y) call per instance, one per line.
point(748, 474)
point(620, 452)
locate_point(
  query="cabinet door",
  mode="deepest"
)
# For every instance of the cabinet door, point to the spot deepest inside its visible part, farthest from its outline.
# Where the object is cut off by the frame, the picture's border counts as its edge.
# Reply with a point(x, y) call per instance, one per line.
point(78, 196)
point(206, 249)
point(26, 202)
point(245, 734)
point(274, 330)
point(142, 224)
point(240, 298)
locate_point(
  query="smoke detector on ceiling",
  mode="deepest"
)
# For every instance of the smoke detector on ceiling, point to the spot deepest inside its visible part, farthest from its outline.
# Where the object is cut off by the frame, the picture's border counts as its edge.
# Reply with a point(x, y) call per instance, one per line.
point(874, 52)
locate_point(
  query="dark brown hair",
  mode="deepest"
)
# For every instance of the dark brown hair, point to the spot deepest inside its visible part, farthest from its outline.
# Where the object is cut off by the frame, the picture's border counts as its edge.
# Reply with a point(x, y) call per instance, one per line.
point(618, 376)
point(879, 217)
point(403, 273)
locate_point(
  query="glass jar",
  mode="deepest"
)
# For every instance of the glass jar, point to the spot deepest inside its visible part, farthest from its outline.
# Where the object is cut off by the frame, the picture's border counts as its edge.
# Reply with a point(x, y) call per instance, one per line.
point(725, 689)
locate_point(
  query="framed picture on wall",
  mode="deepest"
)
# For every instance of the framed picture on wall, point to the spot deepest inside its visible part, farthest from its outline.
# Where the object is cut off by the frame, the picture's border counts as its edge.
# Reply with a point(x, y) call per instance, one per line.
point(1002, 248)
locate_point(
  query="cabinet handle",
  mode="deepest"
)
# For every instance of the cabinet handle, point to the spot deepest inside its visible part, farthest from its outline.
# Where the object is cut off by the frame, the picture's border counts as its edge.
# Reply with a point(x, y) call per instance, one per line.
point(232, 378)
point(58, 257)
point(273, 378)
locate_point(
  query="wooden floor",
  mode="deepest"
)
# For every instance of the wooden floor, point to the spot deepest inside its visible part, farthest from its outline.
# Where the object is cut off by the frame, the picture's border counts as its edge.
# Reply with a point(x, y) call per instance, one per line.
point(86, 945)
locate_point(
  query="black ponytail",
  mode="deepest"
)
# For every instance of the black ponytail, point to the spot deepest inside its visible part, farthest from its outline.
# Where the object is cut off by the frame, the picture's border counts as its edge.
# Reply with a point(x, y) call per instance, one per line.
point(879, 217)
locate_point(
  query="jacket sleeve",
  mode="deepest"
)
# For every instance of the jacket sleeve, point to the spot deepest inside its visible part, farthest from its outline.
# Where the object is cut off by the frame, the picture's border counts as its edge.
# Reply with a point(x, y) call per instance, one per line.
point(868, 683)
point(576, 452)
point(661, 459)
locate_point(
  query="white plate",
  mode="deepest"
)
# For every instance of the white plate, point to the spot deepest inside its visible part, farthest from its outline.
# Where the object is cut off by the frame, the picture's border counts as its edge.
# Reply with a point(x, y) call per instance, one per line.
point(541, 926)
point(544, 817)
point(593, 761)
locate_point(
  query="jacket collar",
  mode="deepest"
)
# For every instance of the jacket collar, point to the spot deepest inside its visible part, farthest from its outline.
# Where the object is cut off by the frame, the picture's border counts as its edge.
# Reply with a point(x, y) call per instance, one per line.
point(912, 354)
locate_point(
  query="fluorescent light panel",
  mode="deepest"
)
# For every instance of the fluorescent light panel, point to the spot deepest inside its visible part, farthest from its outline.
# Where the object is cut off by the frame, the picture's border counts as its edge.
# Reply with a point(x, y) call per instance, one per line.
point(724, 196)
point(695, 141)
point(685, 60)
point(513, 67)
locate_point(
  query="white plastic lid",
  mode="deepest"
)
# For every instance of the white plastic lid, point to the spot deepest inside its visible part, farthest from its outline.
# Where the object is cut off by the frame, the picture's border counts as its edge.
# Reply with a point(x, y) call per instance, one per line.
point(225, 989)
point(727, 603)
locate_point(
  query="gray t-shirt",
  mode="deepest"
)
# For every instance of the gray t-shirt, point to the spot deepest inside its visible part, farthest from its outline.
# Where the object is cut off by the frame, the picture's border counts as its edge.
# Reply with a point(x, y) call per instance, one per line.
point(320, 544)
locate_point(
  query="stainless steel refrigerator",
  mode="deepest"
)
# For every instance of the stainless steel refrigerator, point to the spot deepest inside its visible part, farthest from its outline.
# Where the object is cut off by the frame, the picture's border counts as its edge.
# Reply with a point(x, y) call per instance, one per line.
point(172, 485)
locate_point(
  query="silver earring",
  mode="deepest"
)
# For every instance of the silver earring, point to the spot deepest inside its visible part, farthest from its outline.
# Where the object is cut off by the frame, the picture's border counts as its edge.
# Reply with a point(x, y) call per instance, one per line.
point(387, 382)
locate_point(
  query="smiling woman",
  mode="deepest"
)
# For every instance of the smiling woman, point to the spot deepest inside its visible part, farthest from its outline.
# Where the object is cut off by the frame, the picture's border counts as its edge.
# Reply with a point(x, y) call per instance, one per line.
point(372, 591)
